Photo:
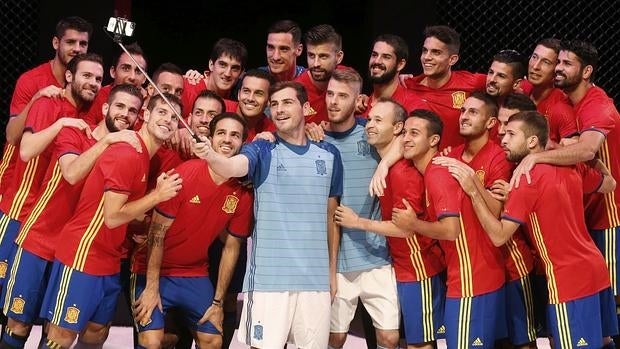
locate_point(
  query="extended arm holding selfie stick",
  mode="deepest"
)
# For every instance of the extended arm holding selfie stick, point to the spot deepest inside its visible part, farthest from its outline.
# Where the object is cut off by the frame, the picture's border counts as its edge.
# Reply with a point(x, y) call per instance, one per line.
point(122, 27)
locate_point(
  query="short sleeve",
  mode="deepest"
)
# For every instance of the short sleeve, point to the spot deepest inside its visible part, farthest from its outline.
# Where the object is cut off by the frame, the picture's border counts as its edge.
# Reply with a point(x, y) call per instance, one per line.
point(259, 160)
point(68, 141)
point(591, 178)
point(406, 183)
point(241, 224)
point(43, 113)
point(119, 177)
point(596, 114)
point(444, 192)
point(520, 203)
point(336, 186)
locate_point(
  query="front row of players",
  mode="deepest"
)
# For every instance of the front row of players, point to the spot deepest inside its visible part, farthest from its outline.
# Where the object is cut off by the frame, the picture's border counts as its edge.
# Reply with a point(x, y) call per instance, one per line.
point(83, 282)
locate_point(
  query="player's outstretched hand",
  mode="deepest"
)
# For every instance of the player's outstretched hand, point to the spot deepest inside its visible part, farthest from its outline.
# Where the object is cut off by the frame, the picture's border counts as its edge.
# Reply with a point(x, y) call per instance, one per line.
point(201, 149)
point(76, 123)
point(377, 183)
point(445, 151)
point(315, 132)
point(50, 91)
point(193, 76)
point(523, 169)
point(346, 217)
point(361, 103)
point(265, 135)
point(144, 305)
point(128, 136)
point(402, 78)
point(168, 185)
point(404, 218)
point(215, 315)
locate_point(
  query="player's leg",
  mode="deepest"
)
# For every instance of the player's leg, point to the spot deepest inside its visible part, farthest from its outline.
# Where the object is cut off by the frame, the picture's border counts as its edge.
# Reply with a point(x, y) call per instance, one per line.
point(422, 305)
point(343, 307)
point(98, 328)
point(150, 334)
point(261, 326)
point(310, 323)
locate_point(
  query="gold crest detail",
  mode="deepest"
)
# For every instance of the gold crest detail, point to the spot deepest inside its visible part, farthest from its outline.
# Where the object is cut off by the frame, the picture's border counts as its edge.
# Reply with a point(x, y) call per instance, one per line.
point(72, 315)
point(458, 99)
point(3, 268)
point(17, 306)
point(230, 205)
point(480, 174)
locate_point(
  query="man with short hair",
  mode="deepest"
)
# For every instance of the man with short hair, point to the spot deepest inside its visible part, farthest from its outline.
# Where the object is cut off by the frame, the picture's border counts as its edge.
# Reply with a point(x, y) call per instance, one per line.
point(123, 71)
point(73, 156)
point(388, 58)
point(324, 54)
point(578, 315)
point(505, 74)
point(253, 100)
point(84, 282)
point(513, 103)
point(282, 172)
point(283, 47)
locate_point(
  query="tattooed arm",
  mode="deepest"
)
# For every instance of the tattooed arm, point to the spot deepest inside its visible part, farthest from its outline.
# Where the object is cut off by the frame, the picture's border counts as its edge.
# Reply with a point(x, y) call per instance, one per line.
point(149, 299)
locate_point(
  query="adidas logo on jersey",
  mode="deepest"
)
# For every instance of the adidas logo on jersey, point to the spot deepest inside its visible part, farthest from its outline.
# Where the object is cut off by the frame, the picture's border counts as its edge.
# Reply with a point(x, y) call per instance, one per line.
point(582, 342)
point(194, 200)
point(477, 342)
point(281, 167)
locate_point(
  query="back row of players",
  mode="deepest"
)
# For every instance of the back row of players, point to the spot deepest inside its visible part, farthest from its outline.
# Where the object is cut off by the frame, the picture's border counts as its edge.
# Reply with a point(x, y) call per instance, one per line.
point(68, 195)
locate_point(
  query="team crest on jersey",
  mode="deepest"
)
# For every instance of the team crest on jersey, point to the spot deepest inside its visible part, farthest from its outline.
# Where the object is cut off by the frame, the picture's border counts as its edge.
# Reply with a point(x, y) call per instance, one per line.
point(72, 315)
point(230, 205)
point(17, 306)
point(321, 169)
point(458, 99)
point(480, 174)
point(363, 148)
point(3, 268)
point(258, 332)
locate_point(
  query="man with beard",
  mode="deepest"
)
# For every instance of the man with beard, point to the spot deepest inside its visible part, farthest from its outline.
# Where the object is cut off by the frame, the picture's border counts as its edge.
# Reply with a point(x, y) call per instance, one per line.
point(297, 279)
point(46, 80)
point(226, 64)
point(84, 280)
point(74, 156)
point(123, 71)
point(364, 269)
point(599, 124)
point(505, 74)
point(174, 271)
point(579, 314)
point(444, 89)
point(46, 118)
point(324, 53)
point(388, 58)
point(551, 102)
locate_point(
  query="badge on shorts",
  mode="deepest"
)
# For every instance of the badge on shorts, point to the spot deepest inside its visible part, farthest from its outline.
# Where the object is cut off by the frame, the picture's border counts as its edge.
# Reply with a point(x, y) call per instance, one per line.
point(3, 268)
point(258, 332)
point(230, 205)
point(321, 169)
point(72, 315)
point(458, 99)
point(480, 174)
point(17, 306)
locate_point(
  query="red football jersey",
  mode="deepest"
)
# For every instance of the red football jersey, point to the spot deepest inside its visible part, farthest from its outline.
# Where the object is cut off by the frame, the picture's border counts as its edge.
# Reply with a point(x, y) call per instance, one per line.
point(409, 100)
point(418, 257)
point(201, 210)
point(264, 123)
point(56, 202)
point(316, 98)
point(560, 235)
point(88, 244)
point(28, 84)
point(447, 100)
point(490, 165)
point(94, 114)
point(557, 109)
point(28, 177)
point(475, 265)
point(596, 112)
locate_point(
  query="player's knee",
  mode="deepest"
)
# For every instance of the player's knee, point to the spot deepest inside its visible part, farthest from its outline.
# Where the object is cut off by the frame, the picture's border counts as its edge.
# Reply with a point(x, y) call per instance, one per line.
point(388, 338)
point(151, 339)
point(209, 341)
point(94, 334)
point(59, 337)
point(336, 340)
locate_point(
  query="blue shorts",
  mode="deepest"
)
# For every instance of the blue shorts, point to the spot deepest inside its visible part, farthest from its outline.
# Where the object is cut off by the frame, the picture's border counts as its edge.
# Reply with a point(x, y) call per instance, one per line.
point(583, 322)
point(215, 255)
point(192, 296)
point(25, 286)
point(73, 298)
point(607, 242)
point(472, 322)
point(9, 228)
point(520, 318)
point(422, 305)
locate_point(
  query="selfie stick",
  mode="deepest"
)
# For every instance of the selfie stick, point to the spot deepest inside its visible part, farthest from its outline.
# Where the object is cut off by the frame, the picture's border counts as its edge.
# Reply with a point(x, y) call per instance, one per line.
point(119, 31)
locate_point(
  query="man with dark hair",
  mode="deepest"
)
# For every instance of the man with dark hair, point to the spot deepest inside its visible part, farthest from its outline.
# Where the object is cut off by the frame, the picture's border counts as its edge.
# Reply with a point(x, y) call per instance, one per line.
point(298, 279)
point(388, 58)
point(513, 103)
point(550, 101)
point(283, 47)
point(123, 71)
point(578, 314)
point(324, 54)
point(253, 99)
point(506, 72)
point(226, 64)
point(444, 89)
point(74, 155)
point(46, 80)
